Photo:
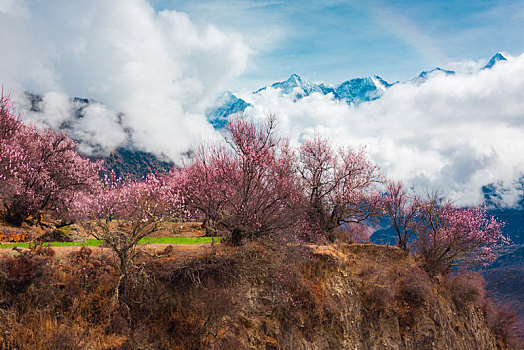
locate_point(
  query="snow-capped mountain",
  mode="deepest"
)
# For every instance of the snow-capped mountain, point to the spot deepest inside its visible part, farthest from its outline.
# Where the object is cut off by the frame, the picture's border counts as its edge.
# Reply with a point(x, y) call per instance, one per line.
point(227, 104)
point(353, 91)
point(494, 60)
point(361, 89)
point(425, 75)
point(295, 85)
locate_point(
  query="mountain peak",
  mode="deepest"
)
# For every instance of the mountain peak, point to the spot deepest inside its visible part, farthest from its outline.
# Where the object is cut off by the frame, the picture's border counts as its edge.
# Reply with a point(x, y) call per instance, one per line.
point(225, 105)
point(294, 80)
point(305, 87)
point(363, 89)
point(494, 60)
point(424, 76)
point(294, 77)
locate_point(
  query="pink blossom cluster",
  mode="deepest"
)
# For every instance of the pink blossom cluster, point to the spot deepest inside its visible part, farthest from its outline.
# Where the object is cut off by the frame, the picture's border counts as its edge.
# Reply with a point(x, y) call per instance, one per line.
point(150, 200)
point(39, 169)
point(246, 185)
point(443, 234)
point(256, 184)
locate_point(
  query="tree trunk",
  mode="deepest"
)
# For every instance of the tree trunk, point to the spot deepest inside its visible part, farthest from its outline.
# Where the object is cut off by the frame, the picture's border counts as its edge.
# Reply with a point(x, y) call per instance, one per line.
point(122, 287)
point(236, 237)
point(15, 216)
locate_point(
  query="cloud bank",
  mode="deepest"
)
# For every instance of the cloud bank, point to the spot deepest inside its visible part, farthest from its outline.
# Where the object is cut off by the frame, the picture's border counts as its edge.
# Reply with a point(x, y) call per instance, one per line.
point(158, 69)
point(452, 133)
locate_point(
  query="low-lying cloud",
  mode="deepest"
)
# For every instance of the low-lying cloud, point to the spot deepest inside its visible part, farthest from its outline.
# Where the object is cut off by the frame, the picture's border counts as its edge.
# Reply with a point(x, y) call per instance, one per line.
point(452, 133)
point(158, 69)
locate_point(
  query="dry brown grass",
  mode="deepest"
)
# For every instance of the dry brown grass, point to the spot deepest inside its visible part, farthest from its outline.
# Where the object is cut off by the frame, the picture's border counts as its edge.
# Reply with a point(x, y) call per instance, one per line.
point(197, 300)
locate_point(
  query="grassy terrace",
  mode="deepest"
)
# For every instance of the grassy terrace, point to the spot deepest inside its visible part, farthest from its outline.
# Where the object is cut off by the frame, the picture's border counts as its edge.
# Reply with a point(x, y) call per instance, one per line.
point(96, 242)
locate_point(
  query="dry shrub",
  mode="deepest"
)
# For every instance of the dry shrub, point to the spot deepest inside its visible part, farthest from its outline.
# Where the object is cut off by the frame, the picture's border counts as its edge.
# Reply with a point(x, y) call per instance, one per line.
point(42, 330)
point(415, 287)
point(222, 267)
point(292, 289)
point(42, 250)
point(19, 272)
point(378, 288)
point(378, 296)
point(504, 324)
point(194, 294)
point(413, 290)
point(467, 288)
point(352, 233)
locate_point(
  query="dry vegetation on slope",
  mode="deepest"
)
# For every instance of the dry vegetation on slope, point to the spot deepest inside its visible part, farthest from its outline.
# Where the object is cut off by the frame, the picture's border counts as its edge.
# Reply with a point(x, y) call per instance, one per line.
point(257, 296)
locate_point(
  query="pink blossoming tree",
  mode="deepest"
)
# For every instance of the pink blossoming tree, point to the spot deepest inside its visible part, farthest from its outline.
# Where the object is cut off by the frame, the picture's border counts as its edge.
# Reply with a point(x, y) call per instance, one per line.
point(338, 185)
point(38, 169)
point(449, 236)
point(12, 156)
point(403, 210)
point(246, 186)
point(122, 212)
point(444, 236)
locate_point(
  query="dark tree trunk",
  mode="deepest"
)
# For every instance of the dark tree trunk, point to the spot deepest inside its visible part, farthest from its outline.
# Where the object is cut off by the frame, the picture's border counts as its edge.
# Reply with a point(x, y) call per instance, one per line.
point(15, 216)
point(236, 237)
point(122, 287)
point(330, 235)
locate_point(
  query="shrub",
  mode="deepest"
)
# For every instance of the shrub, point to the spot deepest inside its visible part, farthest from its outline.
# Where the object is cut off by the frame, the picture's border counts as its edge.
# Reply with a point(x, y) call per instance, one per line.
point(415, 288)
point(19, 272)
point(467, 288)
point(378, 288)
point(504, 324)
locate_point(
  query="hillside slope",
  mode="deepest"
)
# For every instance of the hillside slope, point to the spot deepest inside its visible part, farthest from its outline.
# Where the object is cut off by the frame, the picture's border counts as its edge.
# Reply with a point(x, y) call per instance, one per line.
point(327, 297)
point(259, 296)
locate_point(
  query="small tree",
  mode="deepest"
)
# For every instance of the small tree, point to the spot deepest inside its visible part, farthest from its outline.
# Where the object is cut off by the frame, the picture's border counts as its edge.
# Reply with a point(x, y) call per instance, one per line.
point(338, 185)
point(449, 236)
point(246, 186)
point(402, 209)
point(121, 213)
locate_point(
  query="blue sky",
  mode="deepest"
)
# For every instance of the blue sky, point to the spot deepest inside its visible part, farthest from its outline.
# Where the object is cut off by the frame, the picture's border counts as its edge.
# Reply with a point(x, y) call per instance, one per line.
point(335, 40)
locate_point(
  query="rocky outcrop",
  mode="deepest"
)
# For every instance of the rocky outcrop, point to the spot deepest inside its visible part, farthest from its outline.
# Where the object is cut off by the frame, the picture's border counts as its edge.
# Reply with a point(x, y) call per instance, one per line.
point(354, 297)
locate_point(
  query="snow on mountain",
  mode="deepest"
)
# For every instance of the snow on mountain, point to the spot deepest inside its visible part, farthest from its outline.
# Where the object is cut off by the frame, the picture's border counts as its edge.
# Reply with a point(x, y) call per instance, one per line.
point(296, 86)
point(361, 89)
point(352, 91)
point(494, 60)
point(425, 75)
point(226, 105)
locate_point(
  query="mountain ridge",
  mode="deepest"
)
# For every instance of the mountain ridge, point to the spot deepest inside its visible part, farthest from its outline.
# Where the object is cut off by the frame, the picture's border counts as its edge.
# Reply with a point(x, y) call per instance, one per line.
point(353, 91)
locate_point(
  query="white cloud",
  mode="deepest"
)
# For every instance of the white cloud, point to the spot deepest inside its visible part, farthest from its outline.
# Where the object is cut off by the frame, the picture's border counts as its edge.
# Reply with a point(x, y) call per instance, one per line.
point(98, 129)
point(158, 68)
point(454, 133)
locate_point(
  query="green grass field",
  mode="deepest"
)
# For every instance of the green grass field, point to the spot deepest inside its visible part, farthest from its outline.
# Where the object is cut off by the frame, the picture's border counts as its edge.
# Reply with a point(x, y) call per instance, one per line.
point(96, 242)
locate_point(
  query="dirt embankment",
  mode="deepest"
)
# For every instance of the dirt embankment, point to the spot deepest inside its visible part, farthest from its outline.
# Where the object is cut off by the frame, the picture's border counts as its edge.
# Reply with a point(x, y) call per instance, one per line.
point(356, 297)
point(259, 296)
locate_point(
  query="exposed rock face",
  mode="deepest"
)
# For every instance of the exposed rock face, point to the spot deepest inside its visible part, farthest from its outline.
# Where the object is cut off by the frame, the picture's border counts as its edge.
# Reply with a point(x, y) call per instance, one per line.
point(356, 298)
